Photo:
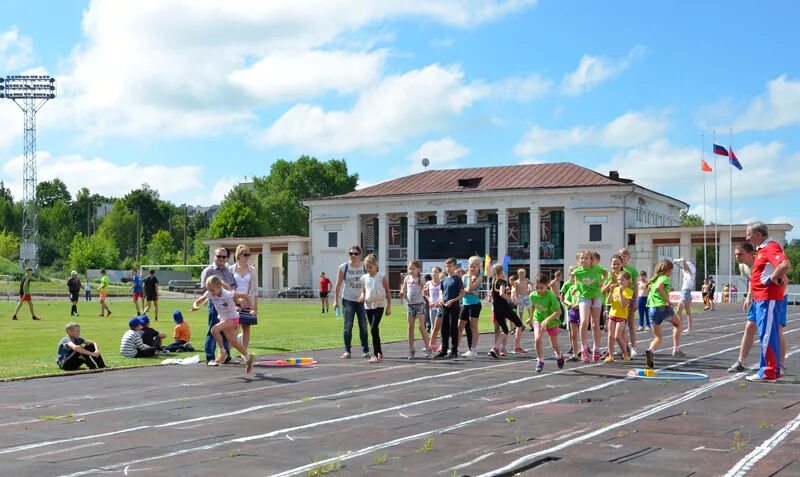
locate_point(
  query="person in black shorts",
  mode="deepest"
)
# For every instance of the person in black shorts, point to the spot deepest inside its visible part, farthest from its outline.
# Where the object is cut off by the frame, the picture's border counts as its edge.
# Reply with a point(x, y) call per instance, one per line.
point(74, 290)
point(151, 293)
point(74, 351)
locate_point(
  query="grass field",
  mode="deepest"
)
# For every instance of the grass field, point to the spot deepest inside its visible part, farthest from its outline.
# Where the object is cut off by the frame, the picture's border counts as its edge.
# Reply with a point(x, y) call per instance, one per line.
point(28, 347)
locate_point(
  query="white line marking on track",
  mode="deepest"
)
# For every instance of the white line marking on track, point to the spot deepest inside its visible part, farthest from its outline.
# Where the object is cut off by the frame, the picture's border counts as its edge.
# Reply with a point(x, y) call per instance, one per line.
point(289, 437)
point(748, 461)
point(58, 451)
point(402, 415)
point(710, 449)
point(467, 464)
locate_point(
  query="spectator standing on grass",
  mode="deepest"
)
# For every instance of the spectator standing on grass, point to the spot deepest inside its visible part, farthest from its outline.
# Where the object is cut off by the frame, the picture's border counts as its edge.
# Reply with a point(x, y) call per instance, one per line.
point(244, 274)
point(136, 289)
point(103, 290)
point(74, 290)
point(217, 268)
point(74, 351)
point(324, 290)
point(348, 290)
point(132, 345)
point(25, 294)
point(88, 289)
point(151, 293)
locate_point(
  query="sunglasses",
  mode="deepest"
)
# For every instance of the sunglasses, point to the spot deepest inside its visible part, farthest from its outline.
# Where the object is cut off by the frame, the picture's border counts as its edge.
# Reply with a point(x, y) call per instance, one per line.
point(355, 254)
point(222, 256)
point(245, 255)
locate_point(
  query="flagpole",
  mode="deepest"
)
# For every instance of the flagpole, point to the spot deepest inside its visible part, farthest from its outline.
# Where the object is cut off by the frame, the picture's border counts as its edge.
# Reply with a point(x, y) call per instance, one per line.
point(730, 222)
point(716, 222)
point(705, 207)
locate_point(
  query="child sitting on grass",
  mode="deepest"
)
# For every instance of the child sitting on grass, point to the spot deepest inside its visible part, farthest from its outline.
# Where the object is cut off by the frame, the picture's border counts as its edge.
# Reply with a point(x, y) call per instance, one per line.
point(131, 345)
point(74, 351)
point(181, 335)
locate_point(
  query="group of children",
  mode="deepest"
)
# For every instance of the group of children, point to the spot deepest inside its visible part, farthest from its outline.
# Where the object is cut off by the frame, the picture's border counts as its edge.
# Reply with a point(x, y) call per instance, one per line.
point(591, 300)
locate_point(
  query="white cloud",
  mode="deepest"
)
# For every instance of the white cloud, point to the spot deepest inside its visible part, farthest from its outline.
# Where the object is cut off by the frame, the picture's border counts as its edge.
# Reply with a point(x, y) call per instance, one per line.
point(629, 129)
point(522, 89)
point(400, 106)
point(446, 42)
point(16, 52)
point(779, 107)
point(442, 153)
point(104, 177)
point(593, 70)
point(220, 190)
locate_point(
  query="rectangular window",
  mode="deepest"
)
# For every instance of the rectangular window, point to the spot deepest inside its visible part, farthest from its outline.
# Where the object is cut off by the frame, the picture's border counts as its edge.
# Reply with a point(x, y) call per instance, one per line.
point(333, 239)
point(595, 233)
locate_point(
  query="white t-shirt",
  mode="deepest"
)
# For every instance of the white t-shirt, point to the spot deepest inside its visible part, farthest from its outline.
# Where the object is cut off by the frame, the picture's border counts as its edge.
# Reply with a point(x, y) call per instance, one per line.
point(688, 277)
point(225, 304)
point(351, 290)
point(435, 292)
point(375, 293)
point(414, 290)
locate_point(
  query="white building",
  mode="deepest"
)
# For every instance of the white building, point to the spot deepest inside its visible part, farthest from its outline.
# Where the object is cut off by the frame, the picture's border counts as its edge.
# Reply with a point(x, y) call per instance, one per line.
point(553, 209)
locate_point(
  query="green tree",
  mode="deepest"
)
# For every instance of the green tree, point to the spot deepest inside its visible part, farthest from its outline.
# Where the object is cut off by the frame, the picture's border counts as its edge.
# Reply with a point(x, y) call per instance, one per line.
point(792, 251)
point(84, 210)
point(153, 212)
point(92, 252)
point(161, 249)
point(10, 215)
point(9, 245)
point(5, 193)
point(56, 231)
point(48, 193)
point(690, 220)
point(237, 219)
point(119, 226)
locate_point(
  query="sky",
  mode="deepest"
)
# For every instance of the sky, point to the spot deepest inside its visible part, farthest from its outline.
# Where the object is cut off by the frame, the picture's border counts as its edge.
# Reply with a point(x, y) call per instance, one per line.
point(193, 96)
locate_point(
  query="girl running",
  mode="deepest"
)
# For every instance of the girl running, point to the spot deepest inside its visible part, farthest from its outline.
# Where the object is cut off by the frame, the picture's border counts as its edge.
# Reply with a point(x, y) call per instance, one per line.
point(225, 303)
point(375, 294)
point(433, 290)
point(569, 297)
point(471, 306)
point(659, 309)
point(588, 281)
point(412, 291)
point(546, 318)
point(644, 291)
point(503, 311)
point(620, 298)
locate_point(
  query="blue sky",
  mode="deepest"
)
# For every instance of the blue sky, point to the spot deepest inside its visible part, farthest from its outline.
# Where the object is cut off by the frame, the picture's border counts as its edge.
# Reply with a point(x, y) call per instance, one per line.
point(193, 96)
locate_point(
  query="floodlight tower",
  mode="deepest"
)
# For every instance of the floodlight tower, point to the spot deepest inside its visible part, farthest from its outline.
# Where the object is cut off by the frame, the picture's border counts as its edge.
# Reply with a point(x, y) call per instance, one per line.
point(29, 92)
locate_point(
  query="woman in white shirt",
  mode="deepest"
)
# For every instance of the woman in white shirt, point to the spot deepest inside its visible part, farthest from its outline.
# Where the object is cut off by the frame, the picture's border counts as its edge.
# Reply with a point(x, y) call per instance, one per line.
point(245, 274)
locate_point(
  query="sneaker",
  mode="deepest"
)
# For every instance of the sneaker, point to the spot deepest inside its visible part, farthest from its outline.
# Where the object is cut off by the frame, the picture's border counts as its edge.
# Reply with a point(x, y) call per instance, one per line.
point(570, 351)
point(626, 358)
point(494, 353)
point(221, 358)
point(560, 362)
point(783, 370)
point(365, 354)
point(466, 354)
point(641, 328)
point(380, 357)
point(108, 314)
point(520, 351)
point(634, 353)
point(441, 355)
point(609, 359)
point(251, 359)
point(585, 355)
point(596, 355)
point(648, 357)
point(677, 353)
point(503, 352)
point(212, 363)
point(737, 367)
point(14, 317)
point(757, 378)
point(647, 328)
point(428, 352)
point(539, 366)
point(411, 354)
point(574, 358)
point(36, 318)
point(452, 354)
point(345, 355)
point(373, 359)
point(228, 360)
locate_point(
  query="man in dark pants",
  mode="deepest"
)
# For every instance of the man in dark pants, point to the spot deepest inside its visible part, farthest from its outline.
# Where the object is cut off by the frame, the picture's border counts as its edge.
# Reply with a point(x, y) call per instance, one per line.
point(74, 289)
point(452, 293)
point(74, 351)
point(219, 269)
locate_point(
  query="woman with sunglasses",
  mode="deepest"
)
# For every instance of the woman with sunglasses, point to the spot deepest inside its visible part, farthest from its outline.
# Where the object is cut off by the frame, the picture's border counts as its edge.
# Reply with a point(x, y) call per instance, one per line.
point(348, 290)
point(244, 275)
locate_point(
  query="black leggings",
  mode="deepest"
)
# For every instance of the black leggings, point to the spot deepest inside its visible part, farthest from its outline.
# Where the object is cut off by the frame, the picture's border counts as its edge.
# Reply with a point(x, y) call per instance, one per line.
point(76, 360)
point(450, 327)
point(501, 315)
point(374, 316)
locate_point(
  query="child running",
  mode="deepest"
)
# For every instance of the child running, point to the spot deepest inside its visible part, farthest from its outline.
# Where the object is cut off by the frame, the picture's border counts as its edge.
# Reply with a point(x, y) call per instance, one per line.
point(659, 309)
point(620, 298)
point(546, 318)
point(412, 291)
point(523, 288)
point(375, 295)
point(225, 303)
point(644, 291)
point(569, 297)
point(588, 280)
point(503, 311)
point(433, 291)
point(471, 307)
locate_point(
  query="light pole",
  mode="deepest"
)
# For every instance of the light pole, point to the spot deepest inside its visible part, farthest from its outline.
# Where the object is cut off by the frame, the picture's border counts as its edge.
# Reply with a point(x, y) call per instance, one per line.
point(29, 92)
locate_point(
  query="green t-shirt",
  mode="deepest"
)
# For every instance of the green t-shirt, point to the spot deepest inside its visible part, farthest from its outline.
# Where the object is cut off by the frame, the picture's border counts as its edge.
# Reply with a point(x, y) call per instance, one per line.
point(566, 287)
point(104, 282)
point(544, 306)
point(634, 275)
point(589, 281)
point(654, 299)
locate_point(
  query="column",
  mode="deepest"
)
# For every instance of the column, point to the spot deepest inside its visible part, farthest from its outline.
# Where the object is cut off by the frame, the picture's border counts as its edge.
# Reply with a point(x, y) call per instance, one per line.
point(441, 217)
point(685, 249)
point(723, 276)
point(472, 216)
point(534, 244)
point(383, 242)
point(502, 234)
point(266, 269)
point(295, 253)
point(411, 247)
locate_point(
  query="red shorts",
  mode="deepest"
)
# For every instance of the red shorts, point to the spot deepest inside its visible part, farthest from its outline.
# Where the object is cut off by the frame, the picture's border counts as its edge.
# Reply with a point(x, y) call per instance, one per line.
point(618, 319)
point(550, 331)
point(137, 295)
point(24, 298)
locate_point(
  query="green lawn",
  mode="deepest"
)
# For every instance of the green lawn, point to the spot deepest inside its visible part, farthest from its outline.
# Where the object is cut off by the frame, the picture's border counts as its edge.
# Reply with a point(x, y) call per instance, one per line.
point(29, 347)
point(54, 286)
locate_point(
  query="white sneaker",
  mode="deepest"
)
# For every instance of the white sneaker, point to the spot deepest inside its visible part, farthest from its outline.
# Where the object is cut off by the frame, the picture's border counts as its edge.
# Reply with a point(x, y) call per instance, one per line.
point(758, 379)
point(466, 354)
point(634, 353)
point(641, 328)
point(470, 354)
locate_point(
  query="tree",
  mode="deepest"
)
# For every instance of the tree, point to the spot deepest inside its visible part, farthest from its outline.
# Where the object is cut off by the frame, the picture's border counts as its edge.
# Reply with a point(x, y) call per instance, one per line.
point(56, 231)
point(92, 252)
point(792, 251)
point(48, 193)
point(5, 193)
point(161, 249)
point(9, 245)
point(690, 220)
point(237, 219)
point(153, 212)
point(119, 226)
point(10, 215)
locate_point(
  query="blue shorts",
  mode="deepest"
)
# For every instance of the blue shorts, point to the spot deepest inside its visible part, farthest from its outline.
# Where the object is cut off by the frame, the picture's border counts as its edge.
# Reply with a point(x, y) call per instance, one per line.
point(592, 302)
point(659, 314)
point(782, 306)
point(751, 313)
point(686, 295)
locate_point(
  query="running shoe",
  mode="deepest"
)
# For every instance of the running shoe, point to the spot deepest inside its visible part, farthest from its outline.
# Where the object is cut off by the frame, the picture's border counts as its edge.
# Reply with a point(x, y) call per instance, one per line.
point(647, 328)
point(373, 359)
point(441, 355)
point(677, 353)
point(626, 358)
point(634, 353)
point(641, 328)
point(503, 351)
point(757, 378)
point(560, 362)
point(14, 317)
point(596, 355)
point(411, 354)
point(221, 358)
point(609, 359)
point(365, 354)
point(38, 318)
point(494, 353)
point(574, 358)
point(212, 363)
point(737, 367)
point(470, 354)
point(539, 366)
point(228, 360)
point(585, 355)
point(251, 359)
point(783, 370)
point(648, 357)
point(380, 356)
point(452, 354)
point(520, 351)
point(345, 355)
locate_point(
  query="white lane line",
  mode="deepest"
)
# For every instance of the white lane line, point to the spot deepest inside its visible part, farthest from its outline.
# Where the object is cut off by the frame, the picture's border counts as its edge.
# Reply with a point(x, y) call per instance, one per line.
point(58, 451)
point(347, 418)
point(748, 461)
point(467, 464)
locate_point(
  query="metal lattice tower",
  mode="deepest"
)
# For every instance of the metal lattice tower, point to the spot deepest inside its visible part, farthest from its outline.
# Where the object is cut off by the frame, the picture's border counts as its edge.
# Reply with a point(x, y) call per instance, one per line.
point(30, 93)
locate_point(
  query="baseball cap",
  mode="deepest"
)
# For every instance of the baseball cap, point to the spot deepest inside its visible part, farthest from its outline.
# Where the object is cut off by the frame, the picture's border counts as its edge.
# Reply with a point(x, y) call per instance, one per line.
point(177, 316)
point(134, 322)
point(74, 272)
point(144, 320)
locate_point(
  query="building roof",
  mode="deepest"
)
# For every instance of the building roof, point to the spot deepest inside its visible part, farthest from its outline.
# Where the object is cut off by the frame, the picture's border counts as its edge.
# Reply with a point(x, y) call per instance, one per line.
point(528, 176)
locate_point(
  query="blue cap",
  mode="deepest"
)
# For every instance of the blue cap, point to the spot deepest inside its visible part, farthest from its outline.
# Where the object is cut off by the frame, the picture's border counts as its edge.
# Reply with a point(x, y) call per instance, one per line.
point(134, 322)
point(144, 320)
point(177, 316)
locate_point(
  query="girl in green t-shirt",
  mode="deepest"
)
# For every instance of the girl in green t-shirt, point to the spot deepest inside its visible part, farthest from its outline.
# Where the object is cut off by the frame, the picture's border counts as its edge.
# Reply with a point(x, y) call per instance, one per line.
point(589, 278)
point(546, 318)
point(660, 309)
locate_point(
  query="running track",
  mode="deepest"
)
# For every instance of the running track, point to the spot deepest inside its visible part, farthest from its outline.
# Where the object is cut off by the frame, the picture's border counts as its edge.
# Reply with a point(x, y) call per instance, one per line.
point(421, 418)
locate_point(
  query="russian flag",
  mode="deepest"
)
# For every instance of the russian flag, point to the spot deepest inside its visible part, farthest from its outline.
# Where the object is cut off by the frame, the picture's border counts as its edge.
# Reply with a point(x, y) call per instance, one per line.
point(720, 150)
point(734, 160)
